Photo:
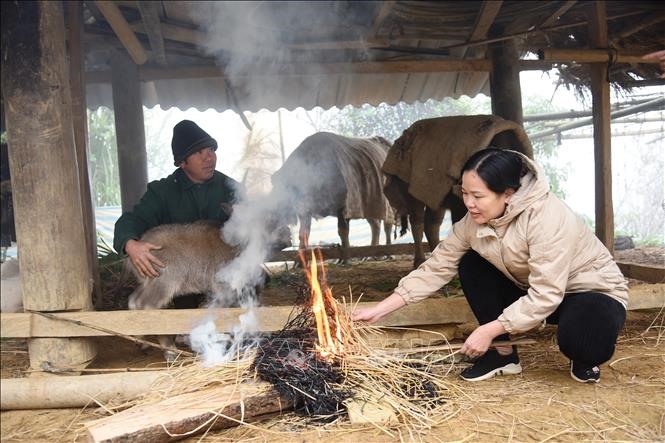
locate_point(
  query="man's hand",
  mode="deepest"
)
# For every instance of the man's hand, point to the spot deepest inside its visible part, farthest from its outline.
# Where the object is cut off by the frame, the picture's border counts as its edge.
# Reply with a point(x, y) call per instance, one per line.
point(143, 260)
point(385, 307)
point(480, 340)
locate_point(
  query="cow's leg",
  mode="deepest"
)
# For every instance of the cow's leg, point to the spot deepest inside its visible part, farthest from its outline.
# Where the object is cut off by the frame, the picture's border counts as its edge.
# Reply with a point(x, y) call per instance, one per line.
point(388, 230)
point(416, 219)
point(343, 231)
point(375, 227)
point(433, 219)
point(456, 207)
point(303, 232)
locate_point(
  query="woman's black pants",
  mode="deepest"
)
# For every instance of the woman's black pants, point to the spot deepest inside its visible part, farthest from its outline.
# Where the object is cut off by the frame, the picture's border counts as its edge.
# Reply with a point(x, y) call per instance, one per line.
point(588, 322)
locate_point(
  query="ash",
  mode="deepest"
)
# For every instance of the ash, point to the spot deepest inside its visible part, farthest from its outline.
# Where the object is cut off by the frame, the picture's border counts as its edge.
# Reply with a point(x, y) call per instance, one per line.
point(287, 359)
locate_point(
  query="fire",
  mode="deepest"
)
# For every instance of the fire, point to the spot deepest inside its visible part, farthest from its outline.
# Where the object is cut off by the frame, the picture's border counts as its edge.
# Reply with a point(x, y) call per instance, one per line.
point(324, 309)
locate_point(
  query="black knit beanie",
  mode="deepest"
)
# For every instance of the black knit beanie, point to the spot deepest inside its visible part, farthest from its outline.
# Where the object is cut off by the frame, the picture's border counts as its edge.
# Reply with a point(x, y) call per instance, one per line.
point(189, 138)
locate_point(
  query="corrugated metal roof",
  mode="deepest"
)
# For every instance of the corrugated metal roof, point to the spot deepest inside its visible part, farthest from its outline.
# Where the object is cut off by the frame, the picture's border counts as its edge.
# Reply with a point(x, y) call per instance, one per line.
point(309, 41)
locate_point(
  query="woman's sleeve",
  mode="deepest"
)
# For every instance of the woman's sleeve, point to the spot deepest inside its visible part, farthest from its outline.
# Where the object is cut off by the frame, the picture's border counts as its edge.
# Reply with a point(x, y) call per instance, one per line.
point(438, 270)
point(552, 238)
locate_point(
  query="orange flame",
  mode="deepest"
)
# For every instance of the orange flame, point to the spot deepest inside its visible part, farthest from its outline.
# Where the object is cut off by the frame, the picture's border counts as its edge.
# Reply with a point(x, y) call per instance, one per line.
point(324, 308)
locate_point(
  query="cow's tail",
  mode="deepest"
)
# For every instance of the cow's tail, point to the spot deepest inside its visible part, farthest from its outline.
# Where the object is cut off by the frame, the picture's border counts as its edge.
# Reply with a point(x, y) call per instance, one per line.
point(404, 225)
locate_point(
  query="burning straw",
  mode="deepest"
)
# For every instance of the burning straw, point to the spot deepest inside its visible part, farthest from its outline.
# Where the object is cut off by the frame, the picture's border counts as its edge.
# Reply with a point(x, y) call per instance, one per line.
point(321, 362)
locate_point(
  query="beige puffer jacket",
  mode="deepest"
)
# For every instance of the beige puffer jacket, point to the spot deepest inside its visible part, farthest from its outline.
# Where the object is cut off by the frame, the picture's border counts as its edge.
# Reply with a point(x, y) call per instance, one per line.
point(538, 243)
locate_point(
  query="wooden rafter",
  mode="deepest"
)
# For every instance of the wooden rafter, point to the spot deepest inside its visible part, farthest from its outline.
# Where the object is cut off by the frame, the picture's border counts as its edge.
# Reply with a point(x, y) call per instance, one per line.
point(642, 24)
point(386, 8)
point(153, 28)
point(486, 16)
point(123, 31)
point(552, 19)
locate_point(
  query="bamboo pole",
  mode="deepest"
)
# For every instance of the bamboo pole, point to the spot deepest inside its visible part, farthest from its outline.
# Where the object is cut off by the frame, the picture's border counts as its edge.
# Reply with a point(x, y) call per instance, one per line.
point(590, 56)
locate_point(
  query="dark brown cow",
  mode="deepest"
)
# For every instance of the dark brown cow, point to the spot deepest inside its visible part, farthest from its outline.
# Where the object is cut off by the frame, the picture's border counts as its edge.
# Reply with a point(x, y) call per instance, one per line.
point(423, 166)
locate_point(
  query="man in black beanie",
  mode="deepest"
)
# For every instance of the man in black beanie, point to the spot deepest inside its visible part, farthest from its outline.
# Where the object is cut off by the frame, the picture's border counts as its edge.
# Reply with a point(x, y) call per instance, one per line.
point(195, 191)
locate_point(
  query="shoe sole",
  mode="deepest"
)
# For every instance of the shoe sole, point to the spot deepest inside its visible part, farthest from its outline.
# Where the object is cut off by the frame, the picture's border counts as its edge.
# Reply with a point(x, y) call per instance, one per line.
point(590, 380)
point(509, 369)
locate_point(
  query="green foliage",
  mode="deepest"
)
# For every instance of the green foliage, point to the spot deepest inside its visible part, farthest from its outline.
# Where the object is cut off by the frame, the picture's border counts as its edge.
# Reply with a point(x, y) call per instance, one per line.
point(389, 121)
point(103, 160)
point(545, 149)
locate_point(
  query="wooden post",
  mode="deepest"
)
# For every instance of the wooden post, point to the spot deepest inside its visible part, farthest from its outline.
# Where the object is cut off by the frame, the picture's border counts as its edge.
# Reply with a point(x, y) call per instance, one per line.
point(80, 122)
point(602, 135)
point(505, 85)
point(54, 271)
point(129, 131)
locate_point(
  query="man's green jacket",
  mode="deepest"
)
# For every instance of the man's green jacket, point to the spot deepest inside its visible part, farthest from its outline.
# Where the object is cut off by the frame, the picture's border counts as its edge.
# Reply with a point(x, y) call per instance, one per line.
point(176, 199)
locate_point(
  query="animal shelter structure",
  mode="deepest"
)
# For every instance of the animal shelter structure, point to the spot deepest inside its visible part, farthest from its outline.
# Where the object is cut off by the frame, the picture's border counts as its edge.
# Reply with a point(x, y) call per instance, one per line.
point(61, 58)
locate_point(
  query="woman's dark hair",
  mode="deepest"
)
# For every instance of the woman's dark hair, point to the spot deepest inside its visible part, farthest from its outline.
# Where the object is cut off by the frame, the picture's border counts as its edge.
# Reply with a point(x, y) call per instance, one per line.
point(500, 169)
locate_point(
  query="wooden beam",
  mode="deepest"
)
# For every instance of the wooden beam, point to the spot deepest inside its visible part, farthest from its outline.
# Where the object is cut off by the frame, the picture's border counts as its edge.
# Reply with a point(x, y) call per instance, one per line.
point(153, 28)
point(384, 12)
point(591, 56)
point(600, 97)
point(122, 30)
point(175, 33)
point(486, 16)
point(552, 19)
point(433, 311)
point(651, 274)
point(80, 124)
point(189, 414)
point(147, 73)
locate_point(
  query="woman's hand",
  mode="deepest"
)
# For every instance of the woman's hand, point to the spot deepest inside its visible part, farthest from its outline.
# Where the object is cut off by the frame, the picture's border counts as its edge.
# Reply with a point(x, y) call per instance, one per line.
point(143, 260)
point(375, 313)
point(480, 340)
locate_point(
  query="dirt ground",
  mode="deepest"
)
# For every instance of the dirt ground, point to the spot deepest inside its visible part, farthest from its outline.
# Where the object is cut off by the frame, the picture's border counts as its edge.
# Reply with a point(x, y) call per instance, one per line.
point(541, 404)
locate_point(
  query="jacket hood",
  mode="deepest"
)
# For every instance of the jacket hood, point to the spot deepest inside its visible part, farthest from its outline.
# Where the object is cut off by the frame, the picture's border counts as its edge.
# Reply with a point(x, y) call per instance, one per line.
point(534, 186)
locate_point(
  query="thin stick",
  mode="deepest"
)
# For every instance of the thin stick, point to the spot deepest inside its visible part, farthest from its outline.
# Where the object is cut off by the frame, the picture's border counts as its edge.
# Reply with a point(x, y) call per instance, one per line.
point(49, 368)
point(110, 332)
point(450, 347)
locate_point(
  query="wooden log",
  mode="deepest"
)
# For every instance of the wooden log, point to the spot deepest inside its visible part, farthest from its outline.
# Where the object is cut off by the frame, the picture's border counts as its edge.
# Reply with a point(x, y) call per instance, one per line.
point(47, 200)
point(189, 414)
point(433, 311)
point(123, 31)
point(74, 391)
point(602, 134)
point(129, 131)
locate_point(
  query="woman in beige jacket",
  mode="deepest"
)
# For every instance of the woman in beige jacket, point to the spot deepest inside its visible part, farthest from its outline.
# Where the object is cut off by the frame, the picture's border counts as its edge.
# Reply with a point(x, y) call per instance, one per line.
point(524, 258)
